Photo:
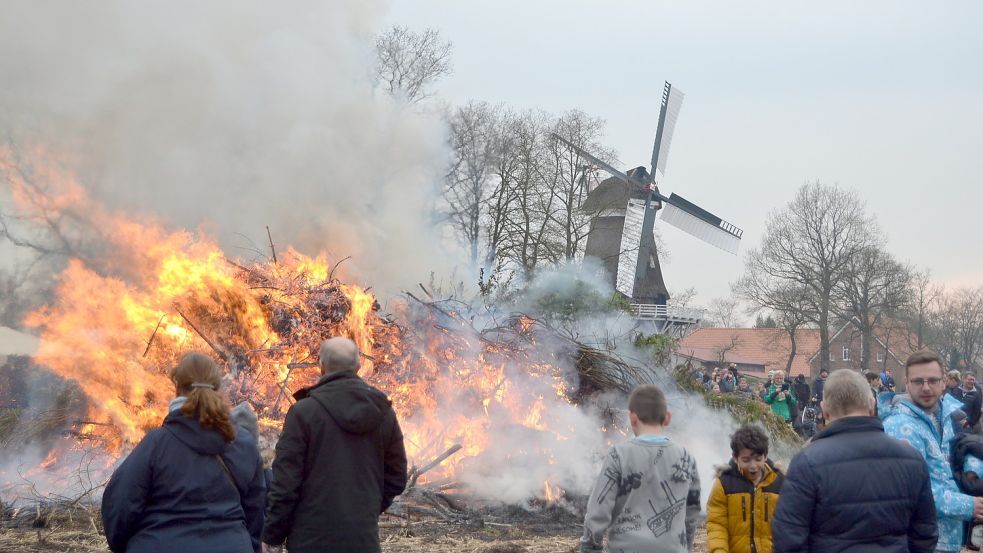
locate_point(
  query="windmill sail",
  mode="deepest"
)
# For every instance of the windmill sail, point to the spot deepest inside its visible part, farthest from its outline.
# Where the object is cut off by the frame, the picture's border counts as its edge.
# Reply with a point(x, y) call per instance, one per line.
point(630, 244)
point(672, 102)
point(700, 223)
point(600, 164)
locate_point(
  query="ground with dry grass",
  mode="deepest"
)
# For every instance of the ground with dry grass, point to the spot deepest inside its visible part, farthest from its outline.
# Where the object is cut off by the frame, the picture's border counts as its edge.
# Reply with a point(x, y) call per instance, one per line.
point(422, 537)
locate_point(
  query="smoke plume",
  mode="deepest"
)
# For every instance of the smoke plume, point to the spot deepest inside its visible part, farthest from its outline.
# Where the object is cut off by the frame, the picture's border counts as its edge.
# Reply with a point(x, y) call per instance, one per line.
point(230, 116)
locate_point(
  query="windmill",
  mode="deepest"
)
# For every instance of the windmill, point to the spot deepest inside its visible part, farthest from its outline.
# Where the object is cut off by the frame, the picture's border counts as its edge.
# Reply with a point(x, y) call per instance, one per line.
point(622, 232)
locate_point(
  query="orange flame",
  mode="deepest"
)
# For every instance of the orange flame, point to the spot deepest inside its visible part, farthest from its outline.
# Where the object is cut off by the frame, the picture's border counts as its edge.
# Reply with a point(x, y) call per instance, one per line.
point(117, 328)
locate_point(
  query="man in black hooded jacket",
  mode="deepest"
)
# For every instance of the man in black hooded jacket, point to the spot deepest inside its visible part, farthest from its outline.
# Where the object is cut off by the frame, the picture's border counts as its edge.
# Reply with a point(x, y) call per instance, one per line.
point(339, 462)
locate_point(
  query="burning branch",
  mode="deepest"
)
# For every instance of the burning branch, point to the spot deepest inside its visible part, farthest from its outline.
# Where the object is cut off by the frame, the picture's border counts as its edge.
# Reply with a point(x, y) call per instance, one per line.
point(154, 335)
point(272, 247)
point(214, 347)
point(417, 473)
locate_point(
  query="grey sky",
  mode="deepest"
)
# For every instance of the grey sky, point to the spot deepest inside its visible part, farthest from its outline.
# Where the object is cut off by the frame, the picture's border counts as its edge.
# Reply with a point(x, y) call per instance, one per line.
point(882, 97)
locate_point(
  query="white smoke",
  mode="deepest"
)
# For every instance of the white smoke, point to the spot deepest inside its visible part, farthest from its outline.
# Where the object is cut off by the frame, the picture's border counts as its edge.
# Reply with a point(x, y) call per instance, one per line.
point(230, 116)
point(575, 299)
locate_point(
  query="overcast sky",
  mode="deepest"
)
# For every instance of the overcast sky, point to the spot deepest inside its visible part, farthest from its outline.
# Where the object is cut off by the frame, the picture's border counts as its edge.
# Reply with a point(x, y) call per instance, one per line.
point(881, 97)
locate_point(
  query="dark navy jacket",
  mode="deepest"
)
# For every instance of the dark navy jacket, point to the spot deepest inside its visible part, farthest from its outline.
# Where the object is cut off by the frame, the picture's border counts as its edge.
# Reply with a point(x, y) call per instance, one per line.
point(172, 494)
point(855, 489)
point(339, 463)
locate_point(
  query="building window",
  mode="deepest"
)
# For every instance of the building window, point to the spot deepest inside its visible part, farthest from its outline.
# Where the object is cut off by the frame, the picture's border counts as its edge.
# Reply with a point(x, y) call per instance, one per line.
point(846, 353)
point(831, 356)
point(880, 357)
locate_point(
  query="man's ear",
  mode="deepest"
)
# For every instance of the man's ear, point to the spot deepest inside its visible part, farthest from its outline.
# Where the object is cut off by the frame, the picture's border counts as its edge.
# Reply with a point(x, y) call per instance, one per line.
point(667, 419)
point(632, 418)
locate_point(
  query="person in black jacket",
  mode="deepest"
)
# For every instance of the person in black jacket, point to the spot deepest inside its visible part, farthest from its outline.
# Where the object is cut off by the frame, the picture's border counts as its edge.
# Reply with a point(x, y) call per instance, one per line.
point(195, 484)
point(969, 394)
point(801, 390)
point(853, 488)
point(339, 462)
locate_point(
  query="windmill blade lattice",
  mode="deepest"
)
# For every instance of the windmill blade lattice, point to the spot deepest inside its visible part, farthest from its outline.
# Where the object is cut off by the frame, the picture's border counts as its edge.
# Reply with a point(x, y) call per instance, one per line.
point(672, 102)
point(700, 223)
point(630, 243)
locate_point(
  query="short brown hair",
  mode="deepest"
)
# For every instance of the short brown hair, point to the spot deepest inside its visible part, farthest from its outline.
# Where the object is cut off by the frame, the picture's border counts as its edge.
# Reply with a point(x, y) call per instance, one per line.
point(924, 356)
point(648, 403)
point(872, 376)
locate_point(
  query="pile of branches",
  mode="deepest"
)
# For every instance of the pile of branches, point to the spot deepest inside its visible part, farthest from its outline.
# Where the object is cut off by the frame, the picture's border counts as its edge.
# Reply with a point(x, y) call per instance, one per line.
point(515, 333)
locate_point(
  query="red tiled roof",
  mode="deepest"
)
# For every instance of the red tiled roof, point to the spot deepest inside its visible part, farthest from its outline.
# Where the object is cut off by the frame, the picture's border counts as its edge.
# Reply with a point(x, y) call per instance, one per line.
point(754, 346)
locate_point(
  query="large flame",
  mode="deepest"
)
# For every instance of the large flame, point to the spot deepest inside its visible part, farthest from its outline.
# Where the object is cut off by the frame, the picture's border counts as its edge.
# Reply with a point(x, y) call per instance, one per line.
point(118, 327)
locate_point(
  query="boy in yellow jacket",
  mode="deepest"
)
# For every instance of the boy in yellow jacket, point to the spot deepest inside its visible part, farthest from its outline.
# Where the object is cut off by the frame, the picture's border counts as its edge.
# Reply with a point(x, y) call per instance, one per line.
point(744, 497)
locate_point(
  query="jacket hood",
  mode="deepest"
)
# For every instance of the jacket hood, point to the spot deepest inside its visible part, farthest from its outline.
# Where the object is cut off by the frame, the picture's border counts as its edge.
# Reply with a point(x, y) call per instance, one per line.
point(205, 441)
point(355, 406)
point(244, 416)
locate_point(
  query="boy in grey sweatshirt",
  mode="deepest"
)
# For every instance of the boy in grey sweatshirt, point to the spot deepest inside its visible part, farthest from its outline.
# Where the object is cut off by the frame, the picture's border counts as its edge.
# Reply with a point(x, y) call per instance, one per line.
point(647, 497)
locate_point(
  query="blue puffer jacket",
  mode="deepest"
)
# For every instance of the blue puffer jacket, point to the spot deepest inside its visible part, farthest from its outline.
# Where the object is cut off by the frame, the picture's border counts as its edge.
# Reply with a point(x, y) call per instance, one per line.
point(906, 421)
point(172, 494)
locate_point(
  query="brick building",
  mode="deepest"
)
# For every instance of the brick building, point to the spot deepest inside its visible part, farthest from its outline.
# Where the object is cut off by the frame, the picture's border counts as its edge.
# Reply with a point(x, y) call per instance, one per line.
point(891, 344)
point(755, 350)
point(759, 350)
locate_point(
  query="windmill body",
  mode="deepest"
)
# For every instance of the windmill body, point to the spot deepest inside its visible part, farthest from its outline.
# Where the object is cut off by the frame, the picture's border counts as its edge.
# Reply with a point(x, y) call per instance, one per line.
point(615, 237)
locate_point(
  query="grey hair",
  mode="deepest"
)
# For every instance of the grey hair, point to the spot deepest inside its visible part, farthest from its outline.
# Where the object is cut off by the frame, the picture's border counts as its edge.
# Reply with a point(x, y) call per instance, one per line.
point(954, 374)
point(339, 354)
point(846, 392)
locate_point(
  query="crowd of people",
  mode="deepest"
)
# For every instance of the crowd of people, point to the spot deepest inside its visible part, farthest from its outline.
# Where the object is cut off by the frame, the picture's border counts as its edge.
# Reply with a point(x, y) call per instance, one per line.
point(792, 399)
point(888, 472)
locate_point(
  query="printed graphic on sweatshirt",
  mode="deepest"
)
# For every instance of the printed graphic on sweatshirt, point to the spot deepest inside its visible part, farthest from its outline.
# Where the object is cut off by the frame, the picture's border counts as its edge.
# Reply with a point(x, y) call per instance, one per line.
point(661, 521)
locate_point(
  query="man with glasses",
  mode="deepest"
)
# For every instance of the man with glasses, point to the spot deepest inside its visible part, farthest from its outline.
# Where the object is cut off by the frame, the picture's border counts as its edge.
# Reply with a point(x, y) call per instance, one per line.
point(929, 420)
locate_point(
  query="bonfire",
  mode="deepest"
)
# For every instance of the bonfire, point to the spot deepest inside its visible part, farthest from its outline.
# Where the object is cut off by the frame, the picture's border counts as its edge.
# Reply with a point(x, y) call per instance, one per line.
point(461, 376)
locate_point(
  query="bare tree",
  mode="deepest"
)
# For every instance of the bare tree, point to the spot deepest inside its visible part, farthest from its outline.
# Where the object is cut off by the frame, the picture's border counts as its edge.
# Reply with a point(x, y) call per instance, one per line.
point(808, 247)
point(45, 219)
point(723, 313)
point(873, 287)
point(722, 350)
point(958, 326)
point(504, 196)
point(570, 176)
point(683, 298)
point(474, 147)
point(409, 62)
point(924, 295)
point(528, 228)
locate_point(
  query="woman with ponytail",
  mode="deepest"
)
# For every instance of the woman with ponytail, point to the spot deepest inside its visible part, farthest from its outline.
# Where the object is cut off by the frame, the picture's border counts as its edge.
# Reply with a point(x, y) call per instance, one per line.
point(194, 484)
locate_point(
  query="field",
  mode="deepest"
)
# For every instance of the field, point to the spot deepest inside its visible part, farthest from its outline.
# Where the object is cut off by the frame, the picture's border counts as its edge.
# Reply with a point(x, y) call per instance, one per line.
point(558, 534)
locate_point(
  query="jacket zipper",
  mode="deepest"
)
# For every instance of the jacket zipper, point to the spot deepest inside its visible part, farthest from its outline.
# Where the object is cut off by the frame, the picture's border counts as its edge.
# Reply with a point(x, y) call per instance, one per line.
point(744, 509)
point(754, 548)
point(766, 507)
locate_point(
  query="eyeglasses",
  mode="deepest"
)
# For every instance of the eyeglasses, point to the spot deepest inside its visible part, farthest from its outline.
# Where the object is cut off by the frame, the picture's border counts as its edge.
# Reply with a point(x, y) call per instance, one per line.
point(919, 382)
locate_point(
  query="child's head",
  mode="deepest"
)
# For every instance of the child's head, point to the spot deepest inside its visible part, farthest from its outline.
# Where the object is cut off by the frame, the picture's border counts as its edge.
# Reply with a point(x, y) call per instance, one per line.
point(647, 407)
point(749, 445)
